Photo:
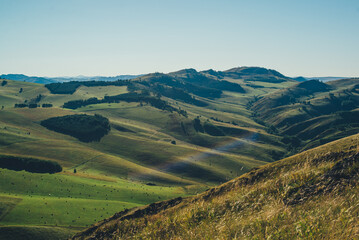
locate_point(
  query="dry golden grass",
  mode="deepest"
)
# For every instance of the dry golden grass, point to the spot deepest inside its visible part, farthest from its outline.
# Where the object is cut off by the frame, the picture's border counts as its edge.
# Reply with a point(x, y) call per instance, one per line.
point(312, 195)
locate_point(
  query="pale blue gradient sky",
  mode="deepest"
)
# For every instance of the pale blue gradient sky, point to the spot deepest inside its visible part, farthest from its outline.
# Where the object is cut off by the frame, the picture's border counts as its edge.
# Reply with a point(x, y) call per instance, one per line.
point(108, 37)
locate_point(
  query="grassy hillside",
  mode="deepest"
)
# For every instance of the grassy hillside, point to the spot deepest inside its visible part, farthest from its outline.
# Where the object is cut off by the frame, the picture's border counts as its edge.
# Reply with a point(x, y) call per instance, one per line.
point(149, 155)
point(311, 111)
point(312, 195)
point(11, 93)
point(169, 135)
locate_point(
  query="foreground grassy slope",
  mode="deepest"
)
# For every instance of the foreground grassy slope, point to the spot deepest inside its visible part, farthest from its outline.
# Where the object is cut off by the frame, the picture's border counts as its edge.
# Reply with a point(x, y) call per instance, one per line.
point(312, 195)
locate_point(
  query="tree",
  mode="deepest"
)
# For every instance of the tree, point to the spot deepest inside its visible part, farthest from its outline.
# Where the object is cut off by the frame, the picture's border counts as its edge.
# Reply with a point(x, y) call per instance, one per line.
point(197, 125)
point(33, 105)
point(20, 105)
point(46, 105)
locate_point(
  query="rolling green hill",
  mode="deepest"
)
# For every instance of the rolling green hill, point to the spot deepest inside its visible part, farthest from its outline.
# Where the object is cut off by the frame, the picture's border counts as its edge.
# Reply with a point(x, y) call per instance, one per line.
point(167, 135)
point(312, 112)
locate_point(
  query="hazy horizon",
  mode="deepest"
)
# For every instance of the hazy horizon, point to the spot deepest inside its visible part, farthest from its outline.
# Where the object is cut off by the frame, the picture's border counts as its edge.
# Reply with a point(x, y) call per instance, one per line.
point(124, 74)
point(110, 38)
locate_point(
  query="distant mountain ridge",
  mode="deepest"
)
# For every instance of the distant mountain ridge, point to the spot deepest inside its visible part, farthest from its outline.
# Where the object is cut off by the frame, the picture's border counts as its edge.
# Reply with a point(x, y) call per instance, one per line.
point(323, 79)
point(326, 79)
point(47, 80)
point(250, 74)
point(245, 73)
point(24, 78)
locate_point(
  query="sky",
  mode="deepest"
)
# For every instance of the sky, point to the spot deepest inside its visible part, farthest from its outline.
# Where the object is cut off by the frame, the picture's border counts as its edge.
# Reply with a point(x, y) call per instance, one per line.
point(310, 38)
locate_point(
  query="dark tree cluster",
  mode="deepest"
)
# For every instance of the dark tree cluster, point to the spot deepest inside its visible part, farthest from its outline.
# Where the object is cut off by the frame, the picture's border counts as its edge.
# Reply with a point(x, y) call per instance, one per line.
point(226, 86)
point(177, 94)
point(292, 141)
point(350, 116)
point(71, 87)
point(212, 129)
point(197, 125)
point(32, 105)
point(84, 127)
point(127, 97)
point(3, 83)
point(207, 128)
point(219, 120)
point(29, 164)
point(21, 105)
point(46, 105)
point(184, 85)
point(314, 86)
point(63, 88)
point(37, 99)
point(201, 91)
point(74, 104)
point(334, 103)
point(196, 81)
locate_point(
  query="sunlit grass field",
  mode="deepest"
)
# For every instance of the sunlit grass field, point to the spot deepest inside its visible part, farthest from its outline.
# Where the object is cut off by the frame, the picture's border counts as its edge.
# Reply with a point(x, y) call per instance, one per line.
point(137, 163)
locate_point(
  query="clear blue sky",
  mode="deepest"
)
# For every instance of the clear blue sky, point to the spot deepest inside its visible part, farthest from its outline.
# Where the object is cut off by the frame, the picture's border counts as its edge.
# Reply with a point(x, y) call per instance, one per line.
point(111, 37)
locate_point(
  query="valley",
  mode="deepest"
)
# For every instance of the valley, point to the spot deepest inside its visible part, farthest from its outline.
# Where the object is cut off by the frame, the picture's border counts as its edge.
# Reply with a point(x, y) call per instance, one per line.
point(170, 135)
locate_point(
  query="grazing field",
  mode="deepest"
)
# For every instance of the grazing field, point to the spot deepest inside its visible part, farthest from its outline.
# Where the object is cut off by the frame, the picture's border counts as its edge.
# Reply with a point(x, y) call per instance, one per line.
point(67, 201)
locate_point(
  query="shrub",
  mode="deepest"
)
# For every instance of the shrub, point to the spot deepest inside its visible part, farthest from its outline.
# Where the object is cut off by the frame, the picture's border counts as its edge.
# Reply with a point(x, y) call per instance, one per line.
point(20, 105)
point(46, 105)
point(33, 105)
